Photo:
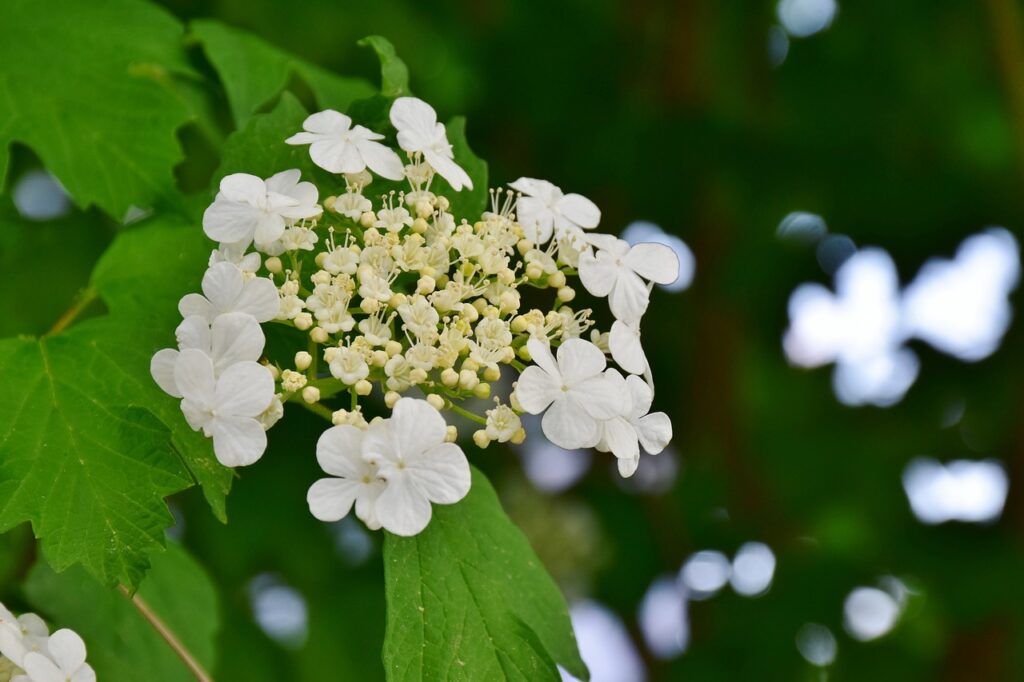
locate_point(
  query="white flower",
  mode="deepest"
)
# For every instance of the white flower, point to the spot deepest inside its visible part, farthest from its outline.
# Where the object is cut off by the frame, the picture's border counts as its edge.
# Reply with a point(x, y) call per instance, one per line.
point(340, 453)
point(233, 338)
point(21, 635)
point(352, 205)
point(65, 662)
point(235, 254)
point(502, 423)
point(624, 344)
point(419, 467)
point(248, 209)
point(419, 317)
point(348, 365)
point(633, 427)
point(226, 408)
point(227, 290)
point(544, 210)
point(419, 131)
point(338, 147)
point(618, 271)
point(393, 219)
point(575, 388)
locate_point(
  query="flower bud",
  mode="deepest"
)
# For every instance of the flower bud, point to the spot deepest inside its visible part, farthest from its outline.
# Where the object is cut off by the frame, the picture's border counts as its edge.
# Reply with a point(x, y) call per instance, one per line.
point(378, 358)
point(273, 264)
point(363, 387)
point(557, 279)
point(492, 374)
point(468, 380)
point(318, 334)
point(518, 437)
point(523, 246)
point(513, 402)
point(482, 390)
point(451, 434)
point(450, 377)
point(519, 324)
point(417, 376)
point(423, 209)
point(390, 398)
point(566, 294)
point(392, 348)
point(311, 394)
point(339, 417)
point(303, 321)
point(368, 219)
point(303, 360)
point(534, 271)
point(481, 439)
point(369, 305)
point(275, 373)
point(436, 401)
point(425, 285)
point(397, 300)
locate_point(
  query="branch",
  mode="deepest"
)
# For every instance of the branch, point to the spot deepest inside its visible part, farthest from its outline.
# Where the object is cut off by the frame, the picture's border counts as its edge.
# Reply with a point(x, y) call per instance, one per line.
point(194, 666)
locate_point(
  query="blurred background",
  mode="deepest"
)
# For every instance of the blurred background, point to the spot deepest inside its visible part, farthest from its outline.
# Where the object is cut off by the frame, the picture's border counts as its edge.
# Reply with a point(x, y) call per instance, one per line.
point(844, 496)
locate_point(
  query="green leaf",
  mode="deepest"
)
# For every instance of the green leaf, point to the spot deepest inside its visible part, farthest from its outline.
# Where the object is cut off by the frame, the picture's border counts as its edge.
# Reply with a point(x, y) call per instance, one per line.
point(468, 204)
point(394, 74)
point(86, 85)
point(122, 645)
point(468, 599)
point(254, 72)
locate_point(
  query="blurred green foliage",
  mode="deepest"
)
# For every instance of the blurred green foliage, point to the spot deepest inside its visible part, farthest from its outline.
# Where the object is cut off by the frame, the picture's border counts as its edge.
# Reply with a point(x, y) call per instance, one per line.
point(895, 124)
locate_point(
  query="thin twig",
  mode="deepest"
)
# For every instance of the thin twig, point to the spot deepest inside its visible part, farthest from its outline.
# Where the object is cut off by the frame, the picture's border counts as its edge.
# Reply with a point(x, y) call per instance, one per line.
point(172, 640)
point(71, 314)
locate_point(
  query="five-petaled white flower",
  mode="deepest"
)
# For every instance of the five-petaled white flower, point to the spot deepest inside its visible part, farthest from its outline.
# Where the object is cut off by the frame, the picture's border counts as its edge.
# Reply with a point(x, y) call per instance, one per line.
point(234, 337)
point(249, 209)
point(355, 481)
point(226, 408)
point(633, 427)
point(573, 390)
point(339, 147)
point(227, 290)
point(65, 661)
point(417, 464)
point(618, 271)
point(544, 210)
point(21, 635)
point(419, 131)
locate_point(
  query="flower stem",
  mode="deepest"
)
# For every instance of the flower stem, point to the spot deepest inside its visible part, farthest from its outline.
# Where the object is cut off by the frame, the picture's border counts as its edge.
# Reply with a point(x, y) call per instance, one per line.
point(466, 413)
point(194, 666)
point(84, 299)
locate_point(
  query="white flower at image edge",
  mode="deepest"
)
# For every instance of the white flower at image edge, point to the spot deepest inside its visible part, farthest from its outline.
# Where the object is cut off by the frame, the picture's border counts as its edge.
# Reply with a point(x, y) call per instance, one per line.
point(624, 434)
point(248, 209)
point(21, 635)
point(65, 663)
point(417, 465)
point(226, 407)
point(339, 451)
point(573, 389)
point(339, 147)
point(618, 271)
point(227, 290)
point(234, 337)
point(624, 345)
point(544, 210)
point(419, 131)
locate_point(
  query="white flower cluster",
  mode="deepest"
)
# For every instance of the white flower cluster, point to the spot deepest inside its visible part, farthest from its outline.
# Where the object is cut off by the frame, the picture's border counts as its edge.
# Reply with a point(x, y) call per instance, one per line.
point(398, 295)
point(29, 653)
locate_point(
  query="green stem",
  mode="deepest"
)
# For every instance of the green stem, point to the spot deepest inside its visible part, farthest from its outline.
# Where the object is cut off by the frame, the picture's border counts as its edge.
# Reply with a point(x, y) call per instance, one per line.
point(85, 299)
point(466, 413)
point(194, 666)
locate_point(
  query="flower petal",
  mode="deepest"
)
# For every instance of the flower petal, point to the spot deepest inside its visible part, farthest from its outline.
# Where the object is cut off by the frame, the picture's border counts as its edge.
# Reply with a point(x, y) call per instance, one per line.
point(442, 473)
point(245, 389)
point(243, 187)
point(629, 297)
point(12, 644)
point(624, 343)
point(655, 432)
point(628, 467)
point(580, 210)
point(536, 219)
point(161, 366)
point(655, 262)
point(41, 669)
point(285, 182)
point(193, 332)
point(602, 397)
point(536, 389)
point(402, 508)
point(330, 499)
point(327, 122)
point(222, 284)
point(230, 221)
point(381, 159)
point(415, 426)
point(235, 337)
point(641, 396)
point(336, 155)
point(84, 674)
point(195, 305)
point(193, 376)
point(67, 650)
point(621, 438)
point(449, 170)
point(238, 441)
point(579, 360)
point(598, 273)
point(269, 227)
point(415, 121)
point(258, 298)
point(339, 451)
point(540, 351)
point(567, 425)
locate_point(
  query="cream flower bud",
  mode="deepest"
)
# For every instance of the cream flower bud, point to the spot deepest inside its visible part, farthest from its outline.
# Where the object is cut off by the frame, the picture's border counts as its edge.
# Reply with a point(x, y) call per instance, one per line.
point(390, 398)
point(481, 439)
point(273, 264)
point(303, 321)
point(442, 203)
point(482, 390)
point(311, 394)
point(330, 354)
point(470, 313)
point(566, 294)
point(451, 434)
point(339, 417)
point(450, 378)
point(470, 365)
point(492, 373)
point(378, 358)
point(424, 209)
point(518, 437)
point(524, 246)
point(468, 380)
point(417, 376)
point(368, 219)
point(392, 348)
point(292, 381)
point(534, 271)
point(557, 279)
point(321, 277)
point(397, 300)
point(275, 373)
point(303, 360)
point(519, 324)
point(513, 401)
point(425, 285)
point(318, 334)
point(363, 387)
point(436, 401)
point(369, 305)
point(506, 276)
